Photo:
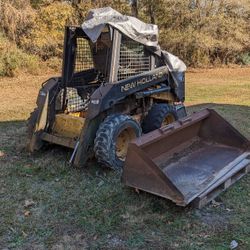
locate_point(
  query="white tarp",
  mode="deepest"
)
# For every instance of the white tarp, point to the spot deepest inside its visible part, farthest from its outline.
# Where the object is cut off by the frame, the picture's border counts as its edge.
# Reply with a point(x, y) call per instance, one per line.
point(173, 62)
point(132, 27)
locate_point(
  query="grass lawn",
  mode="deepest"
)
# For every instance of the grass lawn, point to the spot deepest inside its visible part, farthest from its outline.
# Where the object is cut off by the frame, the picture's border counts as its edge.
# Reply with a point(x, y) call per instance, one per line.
point(46, 204)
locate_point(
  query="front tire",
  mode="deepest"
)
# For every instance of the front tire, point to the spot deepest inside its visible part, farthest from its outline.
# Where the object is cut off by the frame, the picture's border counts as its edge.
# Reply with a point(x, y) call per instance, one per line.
point(112, 139)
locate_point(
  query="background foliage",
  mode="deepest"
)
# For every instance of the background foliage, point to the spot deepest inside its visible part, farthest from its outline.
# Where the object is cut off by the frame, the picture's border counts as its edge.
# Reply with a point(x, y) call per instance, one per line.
point(201, 32)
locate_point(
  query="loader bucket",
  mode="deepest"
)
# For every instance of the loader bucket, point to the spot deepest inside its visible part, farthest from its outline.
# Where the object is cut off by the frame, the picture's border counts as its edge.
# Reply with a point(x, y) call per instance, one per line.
point(189, 161)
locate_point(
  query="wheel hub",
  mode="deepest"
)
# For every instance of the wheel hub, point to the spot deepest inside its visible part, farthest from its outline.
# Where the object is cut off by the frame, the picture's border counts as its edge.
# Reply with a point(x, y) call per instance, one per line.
point(122, 142)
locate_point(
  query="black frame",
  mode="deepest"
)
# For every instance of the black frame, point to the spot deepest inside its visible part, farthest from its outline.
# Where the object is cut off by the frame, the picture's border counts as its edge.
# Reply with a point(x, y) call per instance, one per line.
point(110, 97)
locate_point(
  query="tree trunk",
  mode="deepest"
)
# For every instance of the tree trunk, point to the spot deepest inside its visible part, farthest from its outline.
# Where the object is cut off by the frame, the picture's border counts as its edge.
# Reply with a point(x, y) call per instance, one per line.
point(134, 8)
point(151, 14)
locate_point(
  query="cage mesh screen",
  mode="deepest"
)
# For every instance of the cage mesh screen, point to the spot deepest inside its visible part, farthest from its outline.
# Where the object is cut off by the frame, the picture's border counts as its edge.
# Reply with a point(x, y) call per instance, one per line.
point(73, 100)
point(84, 59)
point(133, 59)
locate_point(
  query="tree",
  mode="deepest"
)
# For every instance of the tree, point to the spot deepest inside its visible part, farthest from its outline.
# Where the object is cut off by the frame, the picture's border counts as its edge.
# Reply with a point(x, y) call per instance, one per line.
point(134, 7)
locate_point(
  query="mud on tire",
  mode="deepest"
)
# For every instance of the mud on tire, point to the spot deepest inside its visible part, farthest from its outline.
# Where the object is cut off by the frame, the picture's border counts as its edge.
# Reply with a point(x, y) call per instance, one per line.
point(112, 139)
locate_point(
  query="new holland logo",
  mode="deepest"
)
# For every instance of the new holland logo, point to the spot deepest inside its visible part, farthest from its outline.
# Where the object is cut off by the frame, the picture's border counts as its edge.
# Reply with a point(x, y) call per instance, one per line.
point(141, 81)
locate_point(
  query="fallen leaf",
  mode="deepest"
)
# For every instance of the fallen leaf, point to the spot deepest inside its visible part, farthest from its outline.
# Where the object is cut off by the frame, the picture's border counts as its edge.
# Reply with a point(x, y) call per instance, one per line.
point(29, 203)
point(215, 203)
point(125, 216)
point(24, 234)
point(27, 213)
point(28, 175)
point(100, 183)
point(233, 244)
point(137, 190)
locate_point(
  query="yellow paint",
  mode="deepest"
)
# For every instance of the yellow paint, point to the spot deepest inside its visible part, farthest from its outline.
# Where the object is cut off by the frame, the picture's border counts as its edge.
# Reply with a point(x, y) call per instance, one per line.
point(76, 114)
point(68, 125)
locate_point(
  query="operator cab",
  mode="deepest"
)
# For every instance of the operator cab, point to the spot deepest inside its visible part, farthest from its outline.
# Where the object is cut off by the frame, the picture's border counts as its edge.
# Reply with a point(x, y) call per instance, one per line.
point(88, 65)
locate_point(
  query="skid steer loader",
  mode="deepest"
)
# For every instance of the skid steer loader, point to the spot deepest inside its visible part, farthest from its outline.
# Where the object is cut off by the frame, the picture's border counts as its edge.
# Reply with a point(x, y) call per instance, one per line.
point(120, 100)
point(111, 90)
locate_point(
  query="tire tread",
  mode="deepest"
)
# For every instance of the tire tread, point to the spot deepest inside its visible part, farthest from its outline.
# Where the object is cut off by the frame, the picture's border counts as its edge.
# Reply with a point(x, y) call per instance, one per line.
point(104, 139)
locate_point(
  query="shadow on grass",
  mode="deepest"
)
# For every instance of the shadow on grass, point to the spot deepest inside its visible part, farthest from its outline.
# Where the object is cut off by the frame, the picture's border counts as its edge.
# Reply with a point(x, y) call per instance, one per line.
point(90, 206)
point(13, 134)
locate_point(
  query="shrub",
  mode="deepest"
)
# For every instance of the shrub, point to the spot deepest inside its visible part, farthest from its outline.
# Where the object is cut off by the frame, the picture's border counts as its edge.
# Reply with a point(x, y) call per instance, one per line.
point(54, 63)
point(13, 59)
point(17, 19)
point(201, 32)
point(244, 58)
point(46, 38)
point(9, 63)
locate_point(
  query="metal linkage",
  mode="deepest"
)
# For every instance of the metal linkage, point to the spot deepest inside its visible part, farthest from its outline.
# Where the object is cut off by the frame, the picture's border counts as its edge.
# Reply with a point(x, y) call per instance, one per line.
point(133, 59)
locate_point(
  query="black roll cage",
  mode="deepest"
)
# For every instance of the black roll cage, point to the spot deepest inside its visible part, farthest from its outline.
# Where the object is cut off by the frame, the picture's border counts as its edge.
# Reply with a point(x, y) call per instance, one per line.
point(72, 33)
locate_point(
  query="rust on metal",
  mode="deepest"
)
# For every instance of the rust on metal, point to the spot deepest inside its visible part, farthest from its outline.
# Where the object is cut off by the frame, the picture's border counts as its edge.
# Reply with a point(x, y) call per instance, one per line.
point(189, 159)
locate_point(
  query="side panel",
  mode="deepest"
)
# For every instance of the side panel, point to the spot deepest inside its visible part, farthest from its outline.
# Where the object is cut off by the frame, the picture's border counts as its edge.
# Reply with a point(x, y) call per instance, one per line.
point(67, 125)
point(177, 80)
point(45, 112)
point(109, 94)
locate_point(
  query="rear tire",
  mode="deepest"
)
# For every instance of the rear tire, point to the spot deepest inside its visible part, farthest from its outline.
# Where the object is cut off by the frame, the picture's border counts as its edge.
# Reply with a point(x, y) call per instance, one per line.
point(159, 115)
point(112, 140)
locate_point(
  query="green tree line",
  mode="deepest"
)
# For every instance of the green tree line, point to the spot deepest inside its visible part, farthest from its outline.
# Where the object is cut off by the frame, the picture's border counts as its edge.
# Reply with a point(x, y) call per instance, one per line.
point(200, 32)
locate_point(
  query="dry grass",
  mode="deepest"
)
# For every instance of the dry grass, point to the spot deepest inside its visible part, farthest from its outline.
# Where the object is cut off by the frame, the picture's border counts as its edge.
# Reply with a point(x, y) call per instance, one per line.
point(224, 86)
point(18, 95)
point(90, 208)
point(226, 90)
